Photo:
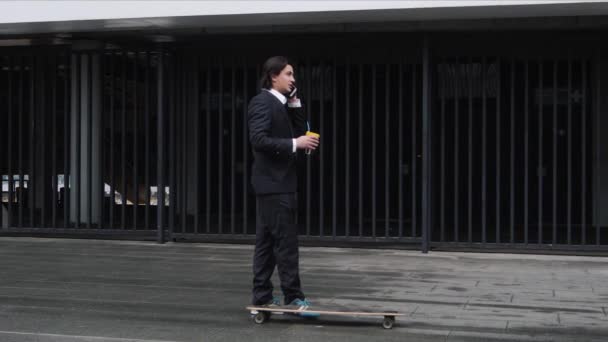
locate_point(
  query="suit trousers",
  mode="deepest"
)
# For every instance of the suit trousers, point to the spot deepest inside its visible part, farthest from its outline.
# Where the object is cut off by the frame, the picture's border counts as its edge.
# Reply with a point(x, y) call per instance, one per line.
point(276, 245)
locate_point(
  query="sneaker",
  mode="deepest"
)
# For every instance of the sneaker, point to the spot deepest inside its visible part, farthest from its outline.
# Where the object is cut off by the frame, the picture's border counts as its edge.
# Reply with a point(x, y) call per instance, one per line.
point(274, 303)
point(302, 305)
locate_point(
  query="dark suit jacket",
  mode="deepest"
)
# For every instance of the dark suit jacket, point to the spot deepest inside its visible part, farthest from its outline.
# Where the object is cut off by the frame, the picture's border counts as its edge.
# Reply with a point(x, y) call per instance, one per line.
point(272, 128)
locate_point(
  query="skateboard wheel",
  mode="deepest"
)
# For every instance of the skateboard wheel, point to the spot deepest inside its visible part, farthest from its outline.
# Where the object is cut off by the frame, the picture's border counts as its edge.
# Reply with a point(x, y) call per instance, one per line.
point(261, 317)
point(388, 322)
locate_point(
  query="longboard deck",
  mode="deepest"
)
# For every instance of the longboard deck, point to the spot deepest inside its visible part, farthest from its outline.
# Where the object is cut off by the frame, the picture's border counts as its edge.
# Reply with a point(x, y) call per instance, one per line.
point(324, 312)
point(261, 314)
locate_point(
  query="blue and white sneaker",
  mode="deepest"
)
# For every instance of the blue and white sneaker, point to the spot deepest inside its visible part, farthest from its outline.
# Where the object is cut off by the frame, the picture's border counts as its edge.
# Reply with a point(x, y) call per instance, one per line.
point(274, 303)
point(303, 307)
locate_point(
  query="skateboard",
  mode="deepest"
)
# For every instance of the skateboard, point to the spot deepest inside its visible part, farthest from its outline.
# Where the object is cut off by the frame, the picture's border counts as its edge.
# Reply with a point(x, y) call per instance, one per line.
point(263, 314)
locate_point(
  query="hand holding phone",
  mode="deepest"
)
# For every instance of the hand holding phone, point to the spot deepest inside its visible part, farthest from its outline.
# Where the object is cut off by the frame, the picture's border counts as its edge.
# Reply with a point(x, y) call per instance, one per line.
point(292, 92)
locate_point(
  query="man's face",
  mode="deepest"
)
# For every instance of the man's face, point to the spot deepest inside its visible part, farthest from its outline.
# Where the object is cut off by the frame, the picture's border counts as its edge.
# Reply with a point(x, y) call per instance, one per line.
point(284, 81)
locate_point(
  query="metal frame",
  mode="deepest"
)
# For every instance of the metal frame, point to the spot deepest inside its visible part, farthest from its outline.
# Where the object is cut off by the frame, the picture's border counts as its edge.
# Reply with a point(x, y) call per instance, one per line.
point(390, 185)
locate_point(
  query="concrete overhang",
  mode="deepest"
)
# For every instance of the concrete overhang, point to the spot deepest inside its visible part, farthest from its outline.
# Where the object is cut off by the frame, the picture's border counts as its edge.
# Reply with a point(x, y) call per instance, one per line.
point(32, 17)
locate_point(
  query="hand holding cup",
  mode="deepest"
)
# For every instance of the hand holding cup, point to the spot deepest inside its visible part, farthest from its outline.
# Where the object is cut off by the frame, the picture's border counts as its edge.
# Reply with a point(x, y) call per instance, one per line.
point(308, 142)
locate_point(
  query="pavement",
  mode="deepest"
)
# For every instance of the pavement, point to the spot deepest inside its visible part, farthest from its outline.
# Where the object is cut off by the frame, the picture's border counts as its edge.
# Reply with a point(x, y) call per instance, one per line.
point(122, 291)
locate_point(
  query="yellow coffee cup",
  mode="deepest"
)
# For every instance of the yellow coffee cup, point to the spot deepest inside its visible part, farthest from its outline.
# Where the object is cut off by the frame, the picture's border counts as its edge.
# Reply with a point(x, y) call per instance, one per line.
point(311, 134)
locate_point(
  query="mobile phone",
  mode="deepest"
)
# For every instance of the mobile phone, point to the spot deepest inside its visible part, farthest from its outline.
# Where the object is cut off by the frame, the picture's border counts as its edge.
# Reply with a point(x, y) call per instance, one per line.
point(292, 93)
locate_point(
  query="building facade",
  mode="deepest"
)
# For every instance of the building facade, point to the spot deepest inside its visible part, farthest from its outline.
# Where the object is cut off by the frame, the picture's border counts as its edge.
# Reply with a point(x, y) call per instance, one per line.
point(474, 124)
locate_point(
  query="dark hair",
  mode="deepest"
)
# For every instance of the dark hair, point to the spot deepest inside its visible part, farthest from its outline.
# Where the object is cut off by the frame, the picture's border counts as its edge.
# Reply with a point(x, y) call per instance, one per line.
point(272, 67)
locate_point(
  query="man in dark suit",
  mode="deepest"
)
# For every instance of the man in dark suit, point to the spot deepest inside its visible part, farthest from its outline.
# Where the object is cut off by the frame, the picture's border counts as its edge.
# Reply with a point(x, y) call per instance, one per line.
point(277, 130)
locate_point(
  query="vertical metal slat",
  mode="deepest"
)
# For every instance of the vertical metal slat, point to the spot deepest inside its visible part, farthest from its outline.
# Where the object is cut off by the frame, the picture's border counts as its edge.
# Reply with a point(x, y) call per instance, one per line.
point(147, 137)
point(112, 143)
point(184, 117)
point(512, 155)
point(9, 144)
point(66, 142)
point(197, 144)
point(540, 152)
point(498, 149)
point(426, 146)
point(584, 155)
point(31, 187)
point(245, 150)
point(387, 151)
point(360, 168)
point(221, 149)
point(321, 150)
point(470, 156)
point(555, 156)
point(100, 140)
point(208, 151)
point(308, 160)
point(123, 128)
point(77, 100)
point(233, 148)
point(569, 191)
point(526, 148)
point(484, 155)
point(20, 149)
point(334, 152)
point(414, 152)
point(89, 204)
point(442, 166)
point(456, 85)
point(135, 139)
point(41, 97)
point(400, 209)
point(171, 138)
point(374, 148)
point(160, 149)
point(597, 143)
point(347, 149)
